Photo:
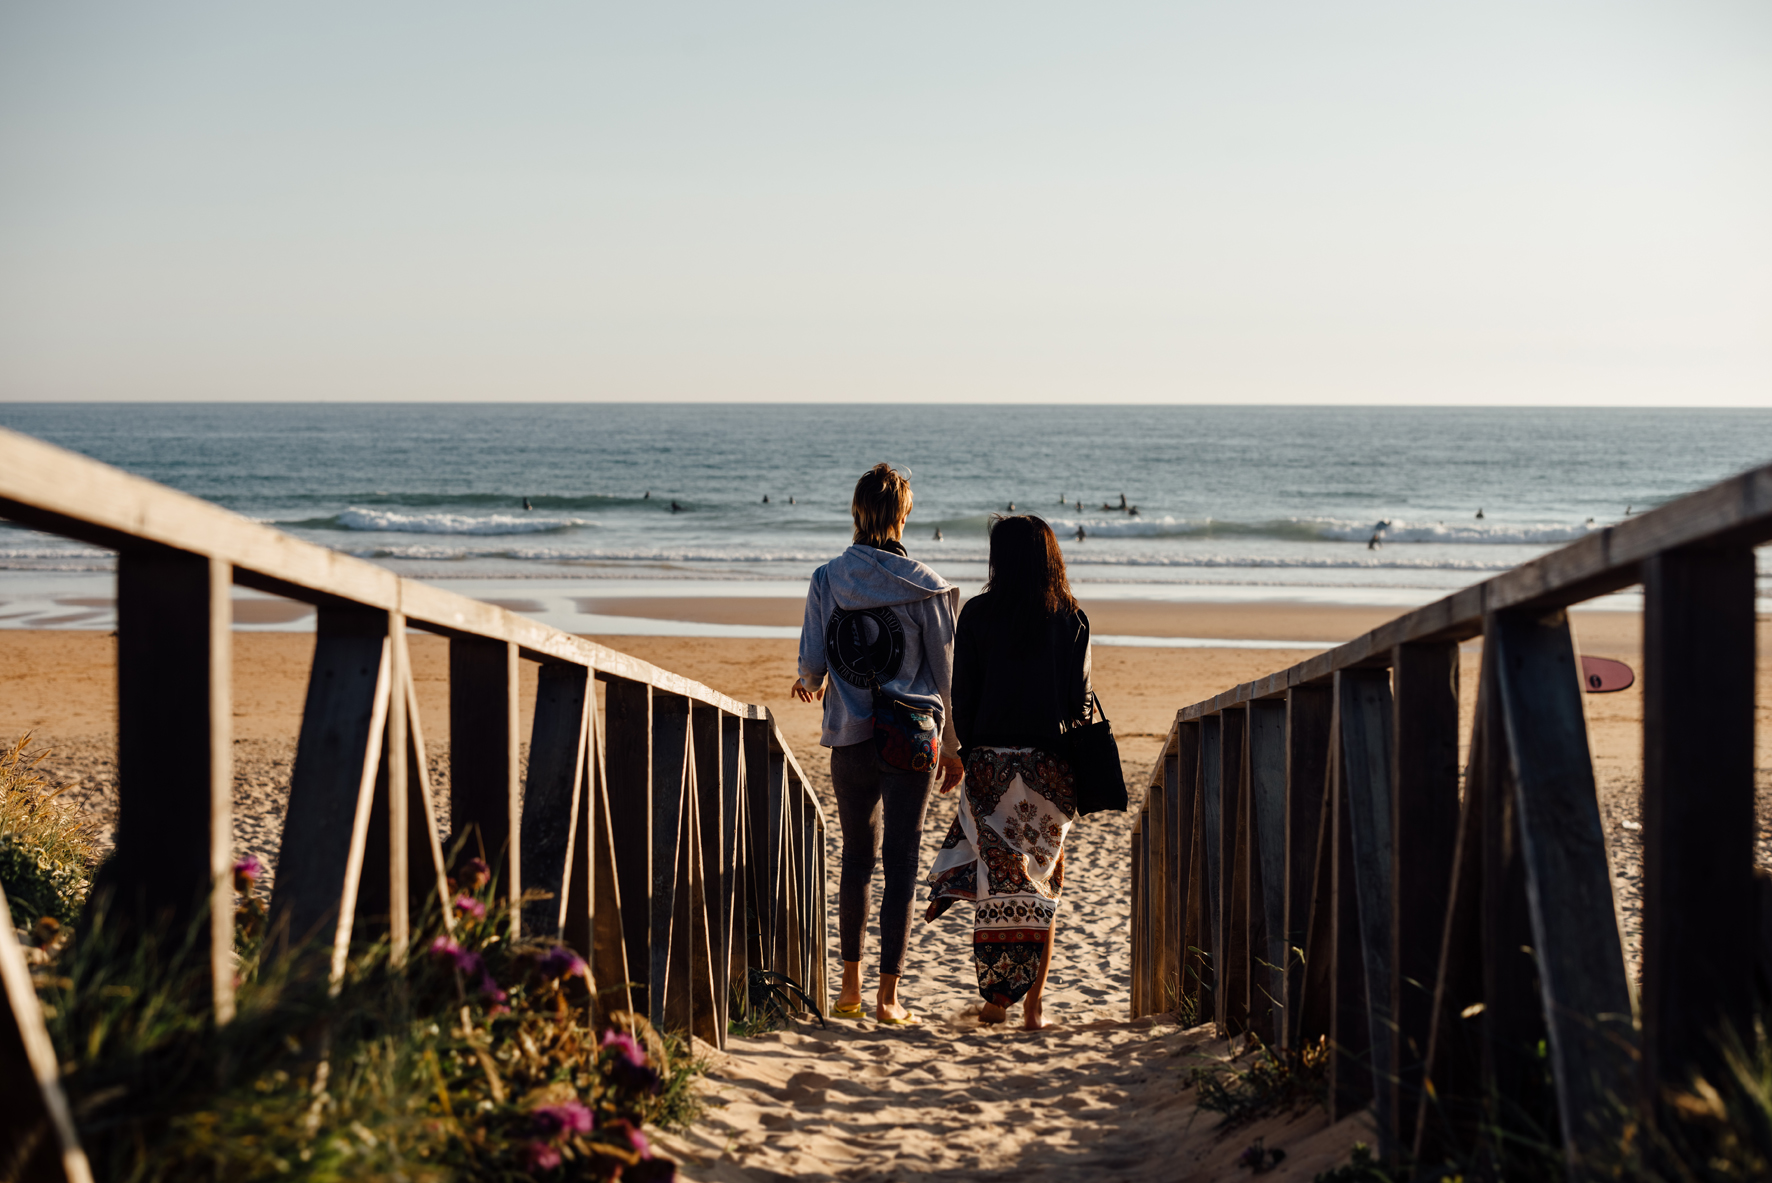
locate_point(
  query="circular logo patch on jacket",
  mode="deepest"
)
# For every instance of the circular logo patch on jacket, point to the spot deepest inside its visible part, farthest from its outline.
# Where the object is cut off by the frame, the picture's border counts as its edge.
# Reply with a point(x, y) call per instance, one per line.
point(863, 644)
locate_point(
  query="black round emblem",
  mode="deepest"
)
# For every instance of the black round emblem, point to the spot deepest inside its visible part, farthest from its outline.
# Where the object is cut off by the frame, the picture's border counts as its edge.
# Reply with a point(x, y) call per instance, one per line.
point(864, 644)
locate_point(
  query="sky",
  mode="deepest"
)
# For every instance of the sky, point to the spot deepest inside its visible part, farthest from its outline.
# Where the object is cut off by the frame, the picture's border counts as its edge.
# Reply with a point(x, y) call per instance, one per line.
point(1428, 202)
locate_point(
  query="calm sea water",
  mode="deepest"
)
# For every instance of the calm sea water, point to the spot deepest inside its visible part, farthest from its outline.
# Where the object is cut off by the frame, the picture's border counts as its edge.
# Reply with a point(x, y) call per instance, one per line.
point(1226, 497)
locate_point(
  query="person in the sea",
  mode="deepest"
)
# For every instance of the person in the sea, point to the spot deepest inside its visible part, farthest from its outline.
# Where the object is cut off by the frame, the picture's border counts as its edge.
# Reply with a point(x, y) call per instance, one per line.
point(937, 534)
point(675, 508)
point(877, 647)
point(1021, 680)
point(1081, 533)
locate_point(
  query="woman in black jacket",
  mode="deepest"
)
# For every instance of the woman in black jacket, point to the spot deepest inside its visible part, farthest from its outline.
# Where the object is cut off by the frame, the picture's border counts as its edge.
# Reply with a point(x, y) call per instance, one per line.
point(1021, 680)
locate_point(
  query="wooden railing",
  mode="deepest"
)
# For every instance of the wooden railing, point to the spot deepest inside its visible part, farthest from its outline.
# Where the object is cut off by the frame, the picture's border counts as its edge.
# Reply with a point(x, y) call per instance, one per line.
point(672, 827)
point(1305, 864)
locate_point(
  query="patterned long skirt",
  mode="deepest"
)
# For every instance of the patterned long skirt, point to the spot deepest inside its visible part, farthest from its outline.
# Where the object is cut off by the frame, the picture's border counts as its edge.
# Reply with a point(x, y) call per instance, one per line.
point(1003, 853)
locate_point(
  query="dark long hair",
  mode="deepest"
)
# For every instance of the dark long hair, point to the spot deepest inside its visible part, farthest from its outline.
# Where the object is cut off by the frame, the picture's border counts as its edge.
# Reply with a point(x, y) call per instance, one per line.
point(1027, 568)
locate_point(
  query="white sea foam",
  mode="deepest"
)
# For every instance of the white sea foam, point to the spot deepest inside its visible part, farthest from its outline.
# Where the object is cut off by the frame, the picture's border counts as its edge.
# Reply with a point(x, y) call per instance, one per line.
point(390, 522)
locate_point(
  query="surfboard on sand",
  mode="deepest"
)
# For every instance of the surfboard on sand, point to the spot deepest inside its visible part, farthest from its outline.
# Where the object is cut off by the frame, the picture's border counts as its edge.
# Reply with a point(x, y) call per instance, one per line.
point(1602, 675)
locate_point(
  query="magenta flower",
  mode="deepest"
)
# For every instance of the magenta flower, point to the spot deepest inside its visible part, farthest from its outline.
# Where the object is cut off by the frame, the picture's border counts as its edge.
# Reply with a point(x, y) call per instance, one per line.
point(474, 874)
point(467, 905)
point(557, 1121)
point(626, 1046)
point(444, 949)
point(247, 870)
point(562, 962)
point(636, 1139)
point(541, 1156)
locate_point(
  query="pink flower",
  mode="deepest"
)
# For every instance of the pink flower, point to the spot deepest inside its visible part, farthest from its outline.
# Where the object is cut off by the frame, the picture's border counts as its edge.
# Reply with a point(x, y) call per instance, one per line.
point(555, 1121)
point(474, 874)
point(541, 1156)
point(247, 870)
point(467, 905)
point(626, 1045)
point(636, 1139)
point(562, 962)
point(445, 949)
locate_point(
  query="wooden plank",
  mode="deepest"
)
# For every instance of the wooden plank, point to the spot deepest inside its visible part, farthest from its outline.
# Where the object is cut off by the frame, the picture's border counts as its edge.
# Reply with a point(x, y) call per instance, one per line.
point(427, 887)
point(608, 952)
point(1156, 876)
point(483, 787)
point(1212, 834)
point(1363, 717)
point(1350, 1041)
point(709, 734)
point(671, 775)
point(759, 916)
point(1586, 998)
point(38, 1142)
point(775, 864)
point(384, 884)
point(1450, 1110)
point(737, 854)
point(1308, 713)
point(1139, 1008)
point(627, 723)
point(1424, 822)
point(1315, 1005)
point(174, 833)
point(1194, 969)
point(1513, 1020)
point(331, 789)
point(552, 794)
point(1233, 974)
point(1267, 802)
point(1698, 805)
point(1180, 764)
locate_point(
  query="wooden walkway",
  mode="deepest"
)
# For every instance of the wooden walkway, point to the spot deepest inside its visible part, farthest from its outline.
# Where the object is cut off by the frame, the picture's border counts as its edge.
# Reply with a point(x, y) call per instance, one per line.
point(1310, 860)
point(670, 824)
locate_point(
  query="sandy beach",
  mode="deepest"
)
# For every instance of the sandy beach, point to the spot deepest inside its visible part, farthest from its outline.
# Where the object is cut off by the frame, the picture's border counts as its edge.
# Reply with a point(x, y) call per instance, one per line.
point(1093, 1096)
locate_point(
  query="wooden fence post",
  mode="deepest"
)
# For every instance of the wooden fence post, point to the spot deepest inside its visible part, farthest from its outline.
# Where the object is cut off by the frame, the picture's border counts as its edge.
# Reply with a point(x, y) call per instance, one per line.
point(483, 784)
point(710, 728)
point(332, 788)
point(1180, 765)
point(552, 842)
point(672, 782)
point(1307, 771)
point(1138, 989)
point(606, 946)
point(1233, 938)
point(1698, 810)
point(1156, 875)
point(1267, 799)
point(759, 882)
point(1363, 709)
point(1579, 953)
point(174, 837)
point(1211, 843)
point(627, 722)
point(1424, 825)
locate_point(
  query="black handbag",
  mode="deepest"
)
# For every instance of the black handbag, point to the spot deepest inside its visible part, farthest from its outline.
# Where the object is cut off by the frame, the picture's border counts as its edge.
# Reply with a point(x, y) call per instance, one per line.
point(1094, 757)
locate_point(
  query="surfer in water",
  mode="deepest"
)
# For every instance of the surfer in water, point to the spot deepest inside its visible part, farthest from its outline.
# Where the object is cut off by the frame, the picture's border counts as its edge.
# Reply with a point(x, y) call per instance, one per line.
point(1377, 539)
point(646, 496)
point(1081, 533)
point(765, 499)
point(526, 504)
point(1012, 507)
point(1122, 501)
point(938, 533)
point(675, 508)
point(1479, 513)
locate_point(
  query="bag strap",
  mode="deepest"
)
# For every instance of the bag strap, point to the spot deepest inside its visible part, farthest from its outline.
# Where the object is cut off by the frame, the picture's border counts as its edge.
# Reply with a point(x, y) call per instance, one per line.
point(1097, 700)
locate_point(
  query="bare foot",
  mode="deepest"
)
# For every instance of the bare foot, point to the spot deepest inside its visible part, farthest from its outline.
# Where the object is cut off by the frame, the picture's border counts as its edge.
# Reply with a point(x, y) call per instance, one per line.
point(1033, 1016)
point(990, 1012)
point(848, 1000)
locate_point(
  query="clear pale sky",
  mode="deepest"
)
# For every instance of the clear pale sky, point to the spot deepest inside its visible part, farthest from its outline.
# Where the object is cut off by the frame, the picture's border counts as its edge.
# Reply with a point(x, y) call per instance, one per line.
point(1415, 202)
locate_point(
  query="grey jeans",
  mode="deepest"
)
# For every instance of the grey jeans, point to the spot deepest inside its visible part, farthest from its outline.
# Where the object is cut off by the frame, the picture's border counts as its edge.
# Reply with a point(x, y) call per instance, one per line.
point(880, 809)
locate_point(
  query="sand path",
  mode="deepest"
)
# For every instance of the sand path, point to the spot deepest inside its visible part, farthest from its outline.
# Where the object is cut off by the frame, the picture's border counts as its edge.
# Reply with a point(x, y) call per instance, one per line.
point(1091, 1097)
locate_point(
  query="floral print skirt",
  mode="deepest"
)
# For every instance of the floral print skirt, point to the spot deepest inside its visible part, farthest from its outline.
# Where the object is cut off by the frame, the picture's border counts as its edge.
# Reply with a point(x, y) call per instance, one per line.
point(1004, 853)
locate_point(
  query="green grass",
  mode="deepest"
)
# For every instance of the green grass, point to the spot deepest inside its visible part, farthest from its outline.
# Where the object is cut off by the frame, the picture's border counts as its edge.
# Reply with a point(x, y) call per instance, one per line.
point(476, 1058)
point(46, 847)
point(1269, 1082)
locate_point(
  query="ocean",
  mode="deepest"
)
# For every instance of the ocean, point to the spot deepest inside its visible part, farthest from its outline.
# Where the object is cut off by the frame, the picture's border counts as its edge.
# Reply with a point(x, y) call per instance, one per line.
point(1223, 503)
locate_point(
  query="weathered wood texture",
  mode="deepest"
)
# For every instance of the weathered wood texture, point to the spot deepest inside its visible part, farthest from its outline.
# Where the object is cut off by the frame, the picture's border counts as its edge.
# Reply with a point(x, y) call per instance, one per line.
point(1698, 809)
point(1308, 714)
point(1424, 827)
point(174, 686)
point(653, 861)
point(38, 1142)
point(1267, 804)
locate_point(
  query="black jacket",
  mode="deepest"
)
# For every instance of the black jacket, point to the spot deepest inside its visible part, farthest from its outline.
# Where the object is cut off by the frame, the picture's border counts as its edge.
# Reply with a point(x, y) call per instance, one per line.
point(1018, 683)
